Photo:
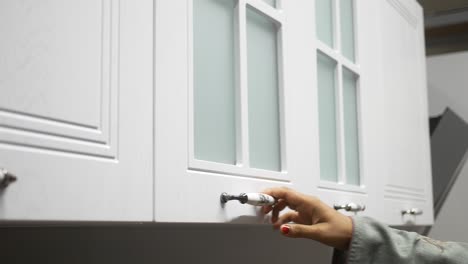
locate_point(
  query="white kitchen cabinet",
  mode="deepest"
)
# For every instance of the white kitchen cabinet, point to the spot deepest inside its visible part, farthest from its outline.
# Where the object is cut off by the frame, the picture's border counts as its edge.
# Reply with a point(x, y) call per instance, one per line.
point(149, 110)
point(392, 113)
point(76, 110)
point(406, 178)
point(338, 63)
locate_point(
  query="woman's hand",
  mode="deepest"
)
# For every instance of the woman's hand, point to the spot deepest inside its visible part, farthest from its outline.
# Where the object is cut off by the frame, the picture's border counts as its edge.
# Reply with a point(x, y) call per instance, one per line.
point(312, 218)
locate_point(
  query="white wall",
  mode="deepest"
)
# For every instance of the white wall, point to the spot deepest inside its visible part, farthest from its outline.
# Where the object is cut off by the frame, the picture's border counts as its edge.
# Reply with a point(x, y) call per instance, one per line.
point(448, 86)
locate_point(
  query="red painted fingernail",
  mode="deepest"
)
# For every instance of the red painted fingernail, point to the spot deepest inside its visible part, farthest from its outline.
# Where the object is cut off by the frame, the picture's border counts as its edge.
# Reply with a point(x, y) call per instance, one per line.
point(285, 229)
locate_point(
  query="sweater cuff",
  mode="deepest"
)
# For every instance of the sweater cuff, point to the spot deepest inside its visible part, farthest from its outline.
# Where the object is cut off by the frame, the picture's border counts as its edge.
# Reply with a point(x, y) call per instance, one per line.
point(360, 243)
point(340, 256)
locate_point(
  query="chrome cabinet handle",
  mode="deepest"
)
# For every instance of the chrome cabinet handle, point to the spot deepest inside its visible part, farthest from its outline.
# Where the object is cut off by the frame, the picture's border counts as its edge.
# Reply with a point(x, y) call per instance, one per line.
point(412, 211)
point(350, 207)
point(6, 178)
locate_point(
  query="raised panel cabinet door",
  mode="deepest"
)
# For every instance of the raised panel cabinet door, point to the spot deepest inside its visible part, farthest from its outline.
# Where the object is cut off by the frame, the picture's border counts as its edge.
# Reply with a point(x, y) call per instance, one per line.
point(232, 100)
point(76, 122)
point(407, 187)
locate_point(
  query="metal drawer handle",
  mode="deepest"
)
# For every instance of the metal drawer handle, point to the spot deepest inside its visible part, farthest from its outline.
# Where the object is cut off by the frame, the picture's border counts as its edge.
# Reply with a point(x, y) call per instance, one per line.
point(351, 207)
point(6, 178)
point(412, 211)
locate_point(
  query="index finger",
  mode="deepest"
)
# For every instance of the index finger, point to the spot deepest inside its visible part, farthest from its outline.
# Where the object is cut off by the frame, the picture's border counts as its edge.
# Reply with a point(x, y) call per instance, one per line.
point(292, 198)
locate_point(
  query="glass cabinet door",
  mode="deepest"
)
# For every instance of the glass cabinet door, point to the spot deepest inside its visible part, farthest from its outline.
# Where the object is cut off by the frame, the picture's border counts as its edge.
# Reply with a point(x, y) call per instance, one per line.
point(236, 87)
point(229, 98)
point(338, 76)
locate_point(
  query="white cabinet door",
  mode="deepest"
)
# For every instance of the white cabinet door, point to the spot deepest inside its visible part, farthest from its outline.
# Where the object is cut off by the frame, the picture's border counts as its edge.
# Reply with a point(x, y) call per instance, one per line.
point(407, 170)
point(346, 108)
point(232, 91)
point(76, 109)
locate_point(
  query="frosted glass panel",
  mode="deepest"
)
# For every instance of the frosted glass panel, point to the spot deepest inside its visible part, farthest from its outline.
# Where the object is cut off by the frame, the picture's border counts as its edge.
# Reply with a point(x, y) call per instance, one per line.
point(324, 21)
point(214, 91)
point(347, 28)
point(264, 133)
point(351, 127)
point(270, 2)
point(327, 118)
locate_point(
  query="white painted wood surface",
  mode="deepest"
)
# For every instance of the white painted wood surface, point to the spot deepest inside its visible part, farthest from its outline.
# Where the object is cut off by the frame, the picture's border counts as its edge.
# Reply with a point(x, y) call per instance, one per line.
point(187, 190)
point(97, 120)
point(379, 57)
point(365, 193)
point(76, 110)
point(406, 178)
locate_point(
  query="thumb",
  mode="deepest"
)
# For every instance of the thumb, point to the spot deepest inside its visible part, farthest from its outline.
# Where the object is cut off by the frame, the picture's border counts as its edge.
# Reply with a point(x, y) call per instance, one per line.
point(302, 231)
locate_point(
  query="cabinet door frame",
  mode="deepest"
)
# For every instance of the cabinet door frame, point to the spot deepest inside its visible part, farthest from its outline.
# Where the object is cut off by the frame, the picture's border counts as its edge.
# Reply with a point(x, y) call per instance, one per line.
point(176, 178)
point(242, 166)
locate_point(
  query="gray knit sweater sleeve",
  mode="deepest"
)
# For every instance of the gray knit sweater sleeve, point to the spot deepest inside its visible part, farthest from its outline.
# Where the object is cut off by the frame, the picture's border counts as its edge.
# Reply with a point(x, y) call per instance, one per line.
point(374, 242)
